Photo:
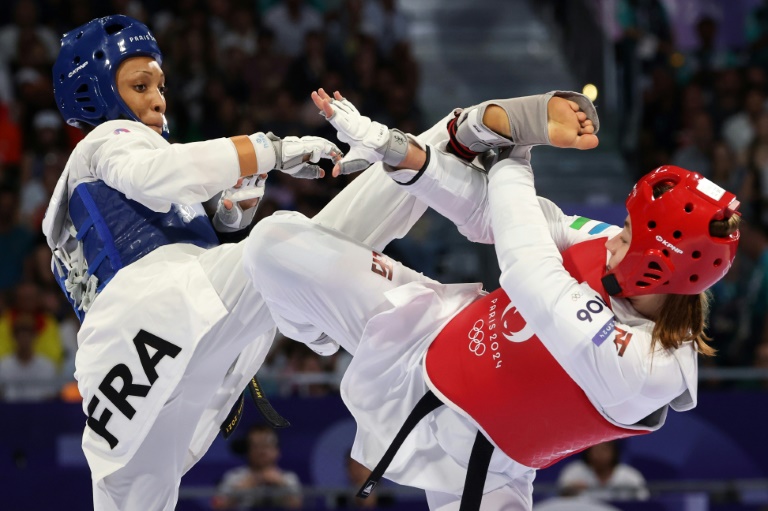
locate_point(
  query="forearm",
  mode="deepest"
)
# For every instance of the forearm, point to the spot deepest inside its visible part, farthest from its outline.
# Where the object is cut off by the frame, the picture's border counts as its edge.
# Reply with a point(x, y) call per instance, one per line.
point(178, 173)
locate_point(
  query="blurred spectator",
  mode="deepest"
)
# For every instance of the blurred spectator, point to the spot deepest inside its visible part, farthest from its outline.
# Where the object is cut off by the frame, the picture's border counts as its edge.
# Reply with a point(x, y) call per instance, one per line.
point(726, 170)
point(751, 296)
point(25, 23)
point(27, 303)
point(16, 240)
point(600, 474)
point(265, 71)
point(757, 34)
point(308, 70)
point(739, 129)
point(385, 23)
point(577, 503)
point(10, 138)
point(290, 21)
point(708, 58)
point(260, 483)
point(696, 153)
point(35, 192)
point(645, 41)
point(24, 374)
point(728, 95)
point(242, 32)
point(754, 190)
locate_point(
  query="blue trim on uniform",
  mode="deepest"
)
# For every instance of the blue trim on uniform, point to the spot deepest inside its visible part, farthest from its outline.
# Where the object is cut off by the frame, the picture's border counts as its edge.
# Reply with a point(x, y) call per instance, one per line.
point(94, 265)
point(83, 230)
point(101, 227)
point(599, 228)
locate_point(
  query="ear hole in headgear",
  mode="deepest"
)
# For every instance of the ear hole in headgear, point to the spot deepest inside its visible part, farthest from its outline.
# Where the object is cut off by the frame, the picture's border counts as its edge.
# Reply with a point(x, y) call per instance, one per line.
point(677, 235)
point(114, 28)
point(696, 254)
point(665, 252)
point(693, 278)
point(718, 262)
point(651, 224)
point(99, 54)
point(688, 207)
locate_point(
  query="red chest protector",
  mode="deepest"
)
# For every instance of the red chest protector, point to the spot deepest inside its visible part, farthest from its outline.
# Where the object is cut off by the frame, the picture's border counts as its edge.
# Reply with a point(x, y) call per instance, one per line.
point(516, 391)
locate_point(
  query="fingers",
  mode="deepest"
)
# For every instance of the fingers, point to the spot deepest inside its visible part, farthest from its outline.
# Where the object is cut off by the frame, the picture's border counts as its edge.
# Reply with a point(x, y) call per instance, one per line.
point(317, 100)
point(336, 170)
point(338, 96)
point(227, 204)
point(324, 95)
point(323, 102)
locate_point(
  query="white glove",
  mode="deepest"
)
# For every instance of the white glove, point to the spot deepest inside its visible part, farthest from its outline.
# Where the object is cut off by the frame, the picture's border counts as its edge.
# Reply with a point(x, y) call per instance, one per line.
point(293, 155)
point(369, 141)
point(234, 219)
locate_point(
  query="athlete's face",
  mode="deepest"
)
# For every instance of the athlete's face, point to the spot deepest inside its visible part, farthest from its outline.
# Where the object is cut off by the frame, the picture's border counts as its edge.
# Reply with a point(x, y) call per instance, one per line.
point(618, 245)
point(141, 84)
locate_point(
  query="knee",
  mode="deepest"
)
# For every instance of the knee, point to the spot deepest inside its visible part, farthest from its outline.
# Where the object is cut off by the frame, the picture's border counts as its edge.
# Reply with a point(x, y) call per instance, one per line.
point(273, 245)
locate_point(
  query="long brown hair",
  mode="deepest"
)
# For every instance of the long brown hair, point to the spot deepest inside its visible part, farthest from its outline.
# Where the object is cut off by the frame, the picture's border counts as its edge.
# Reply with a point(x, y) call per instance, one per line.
point(684, 317)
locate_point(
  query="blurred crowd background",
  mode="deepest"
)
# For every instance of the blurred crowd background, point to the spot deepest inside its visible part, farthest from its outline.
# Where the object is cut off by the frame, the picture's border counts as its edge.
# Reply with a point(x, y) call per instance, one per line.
point(241, 66)
point(237, 66)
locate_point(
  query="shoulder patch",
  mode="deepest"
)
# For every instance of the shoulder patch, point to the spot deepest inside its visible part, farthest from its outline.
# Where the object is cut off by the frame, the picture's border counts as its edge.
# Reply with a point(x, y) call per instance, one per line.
point(121, 130)
point(591, 226)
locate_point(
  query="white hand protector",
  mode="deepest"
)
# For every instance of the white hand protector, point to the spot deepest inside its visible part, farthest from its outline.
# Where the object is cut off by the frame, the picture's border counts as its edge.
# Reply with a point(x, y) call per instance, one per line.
point(234, 219)
point(299, 156)
point(369, 141)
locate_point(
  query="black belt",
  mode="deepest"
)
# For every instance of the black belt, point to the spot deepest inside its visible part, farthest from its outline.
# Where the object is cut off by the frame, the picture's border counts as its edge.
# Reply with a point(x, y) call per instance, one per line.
point(262, 403)
point(479, 459)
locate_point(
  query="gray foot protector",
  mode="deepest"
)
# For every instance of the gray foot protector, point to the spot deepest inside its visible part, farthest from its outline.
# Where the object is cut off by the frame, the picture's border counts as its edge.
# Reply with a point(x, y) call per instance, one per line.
point(527, 121)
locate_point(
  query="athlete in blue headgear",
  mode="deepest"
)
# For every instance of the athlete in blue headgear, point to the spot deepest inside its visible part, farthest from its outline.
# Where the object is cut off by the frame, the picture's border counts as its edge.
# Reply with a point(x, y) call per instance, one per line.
point(172, 328)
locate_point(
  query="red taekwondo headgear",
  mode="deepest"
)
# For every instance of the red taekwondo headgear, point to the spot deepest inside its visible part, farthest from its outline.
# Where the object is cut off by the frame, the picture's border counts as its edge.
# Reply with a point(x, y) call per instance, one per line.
point(671, 250)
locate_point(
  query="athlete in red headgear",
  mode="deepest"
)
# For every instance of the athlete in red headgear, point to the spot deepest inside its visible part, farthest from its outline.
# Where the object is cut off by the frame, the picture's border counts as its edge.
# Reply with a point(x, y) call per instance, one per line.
point(593, 335)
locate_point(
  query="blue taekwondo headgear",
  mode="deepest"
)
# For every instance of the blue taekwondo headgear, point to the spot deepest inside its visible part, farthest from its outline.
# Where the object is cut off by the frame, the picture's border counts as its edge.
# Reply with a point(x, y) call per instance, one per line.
point(84, 73)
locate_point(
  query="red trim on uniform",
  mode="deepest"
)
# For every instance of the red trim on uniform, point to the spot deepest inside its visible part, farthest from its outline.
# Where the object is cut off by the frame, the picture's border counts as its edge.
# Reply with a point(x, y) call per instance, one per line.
point(457, 147)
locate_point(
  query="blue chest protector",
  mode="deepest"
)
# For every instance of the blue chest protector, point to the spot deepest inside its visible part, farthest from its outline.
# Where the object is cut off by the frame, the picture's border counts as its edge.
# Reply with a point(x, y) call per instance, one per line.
point(116, 231)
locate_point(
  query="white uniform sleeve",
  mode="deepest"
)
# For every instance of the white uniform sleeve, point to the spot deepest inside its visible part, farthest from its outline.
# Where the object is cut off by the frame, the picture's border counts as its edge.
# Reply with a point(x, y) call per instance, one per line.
point(157, 174)
point(453, 188)
point(375, 210)
point(608, 360)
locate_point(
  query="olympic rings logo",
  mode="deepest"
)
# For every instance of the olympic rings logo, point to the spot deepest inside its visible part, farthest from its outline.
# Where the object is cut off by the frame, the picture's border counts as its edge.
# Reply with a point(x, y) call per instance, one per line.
point(476, 337)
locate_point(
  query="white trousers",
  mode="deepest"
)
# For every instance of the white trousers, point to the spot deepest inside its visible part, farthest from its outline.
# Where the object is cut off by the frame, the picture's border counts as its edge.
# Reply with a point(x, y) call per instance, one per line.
point(188, 422)
point(315, 280)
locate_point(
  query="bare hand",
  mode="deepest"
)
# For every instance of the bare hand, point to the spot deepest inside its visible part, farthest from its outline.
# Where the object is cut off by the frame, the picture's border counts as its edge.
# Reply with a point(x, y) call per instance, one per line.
point(323, 102)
